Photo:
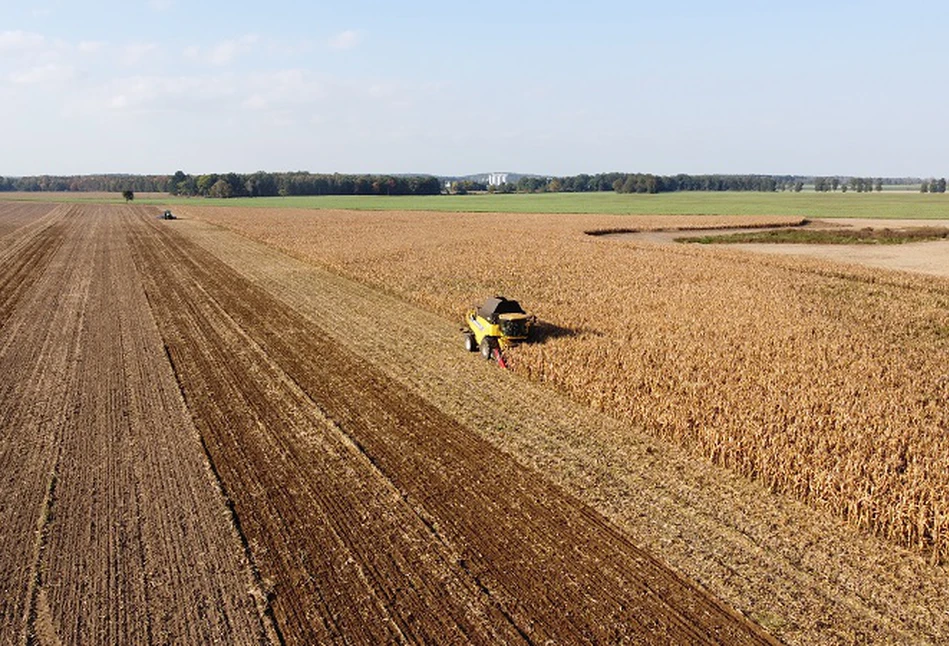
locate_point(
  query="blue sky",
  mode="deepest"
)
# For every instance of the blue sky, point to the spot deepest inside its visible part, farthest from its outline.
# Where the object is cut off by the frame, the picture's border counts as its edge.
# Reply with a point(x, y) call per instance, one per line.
point(560, 88)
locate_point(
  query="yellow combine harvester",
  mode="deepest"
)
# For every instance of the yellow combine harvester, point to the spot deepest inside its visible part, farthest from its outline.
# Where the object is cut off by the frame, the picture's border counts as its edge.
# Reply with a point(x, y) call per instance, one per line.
point(495, 325)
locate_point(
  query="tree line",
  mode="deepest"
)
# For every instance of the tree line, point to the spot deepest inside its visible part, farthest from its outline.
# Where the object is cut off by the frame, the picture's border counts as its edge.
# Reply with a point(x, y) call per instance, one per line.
point(636, 183)
point(259, 184)
point(933, 186)
point(265, 184)
point(857, 184)
point(650, 183)
point(86, 183)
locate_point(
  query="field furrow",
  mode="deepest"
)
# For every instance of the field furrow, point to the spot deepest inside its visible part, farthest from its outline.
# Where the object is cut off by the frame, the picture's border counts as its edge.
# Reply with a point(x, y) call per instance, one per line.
point(19, 271)
point(17, 218)
point(113, 530)
point(547, 562)
point(39, 350)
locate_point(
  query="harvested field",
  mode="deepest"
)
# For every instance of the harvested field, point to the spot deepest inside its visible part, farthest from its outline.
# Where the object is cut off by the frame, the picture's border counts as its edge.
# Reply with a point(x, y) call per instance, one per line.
point(190, 459)
point(113, 530)
point(16, 215)
point(823, 381)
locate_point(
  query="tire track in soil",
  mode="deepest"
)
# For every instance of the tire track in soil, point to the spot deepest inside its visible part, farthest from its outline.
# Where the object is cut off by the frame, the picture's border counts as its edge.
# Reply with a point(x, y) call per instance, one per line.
point(112, 530)
point(548, 563)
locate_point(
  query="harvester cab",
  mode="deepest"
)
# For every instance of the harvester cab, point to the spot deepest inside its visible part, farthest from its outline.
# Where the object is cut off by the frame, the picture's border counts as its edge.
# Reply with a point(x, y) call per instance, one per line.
point(495, 325)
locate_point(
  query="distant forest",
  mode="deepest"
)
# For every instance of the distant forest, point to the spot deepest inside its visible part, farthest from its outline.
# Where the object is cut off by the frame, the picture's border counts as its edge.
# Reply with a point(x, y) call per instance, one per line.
point(259, 184)
point(264, 184)
point(649, 183)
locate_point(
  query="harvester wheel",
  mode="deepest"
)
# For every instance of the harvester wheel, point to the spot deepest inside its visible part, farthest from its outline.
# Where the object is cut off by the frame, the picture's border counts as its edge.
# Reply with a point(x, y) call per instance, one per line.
point(488, 344)
point(470, 344)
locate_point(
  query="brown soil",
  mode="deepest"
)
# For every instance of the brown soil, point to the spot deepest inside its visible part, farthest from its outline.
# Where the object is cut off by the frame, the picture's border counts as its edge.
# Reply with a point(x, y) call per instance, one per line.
point(113, 530)
point(203, 440)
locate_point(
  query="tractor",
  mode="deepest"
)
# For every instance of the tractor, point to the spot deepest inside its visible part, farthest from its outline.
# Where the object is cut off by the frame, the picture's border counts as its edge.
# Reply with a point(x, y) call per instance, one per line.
point(495, 325)
point(168, 215)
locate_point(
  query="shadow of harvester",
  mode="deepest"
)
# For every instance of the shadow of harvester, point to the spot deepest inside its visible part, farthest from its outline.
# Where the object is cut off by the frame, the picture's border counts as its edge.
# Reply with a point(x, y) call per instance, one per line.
point(545, 331)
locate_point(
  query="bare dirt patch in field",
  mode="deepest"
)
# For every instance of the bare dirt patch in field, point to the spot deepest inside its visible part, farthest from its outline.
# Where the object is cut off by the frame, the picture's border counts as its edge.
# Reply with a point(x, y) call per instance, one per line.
point(919, 257)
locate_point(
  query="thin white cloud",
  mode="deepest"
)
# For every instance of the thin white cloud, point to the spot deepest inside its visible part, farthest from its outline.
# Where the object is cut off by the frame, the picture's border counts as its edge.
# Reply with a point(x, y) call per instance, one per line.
point(197, 96)
point(33, 49)
point(150, 93)
point(256, 102)
point(20, 40)
point(384, 90)
point(134, 53)
point(284, 49)
point(289, 78)
point(284, 91)
point(119, 102)
point(90, 46)
point(345, 39)
point(224, 52)
point(49, 73)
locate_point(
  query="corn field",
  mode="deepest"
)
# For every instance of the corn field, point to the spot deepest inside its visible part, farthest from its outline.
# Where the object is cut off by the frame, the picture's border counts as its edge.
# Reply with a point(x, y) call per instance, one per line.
point(825, 382)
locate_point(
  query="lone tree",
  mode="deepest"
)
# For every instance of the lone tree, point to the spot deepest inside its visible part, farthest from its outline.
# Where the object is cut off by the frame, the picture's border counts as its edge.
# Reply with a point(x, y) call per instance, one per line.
point(128, 195)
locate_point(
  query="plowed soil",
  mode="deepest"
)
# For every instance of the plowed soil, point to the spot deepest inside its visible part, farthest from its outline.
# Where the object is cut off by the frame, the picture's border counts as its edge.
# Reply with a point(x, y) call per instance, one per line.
point(188, 458)
point(112, 530)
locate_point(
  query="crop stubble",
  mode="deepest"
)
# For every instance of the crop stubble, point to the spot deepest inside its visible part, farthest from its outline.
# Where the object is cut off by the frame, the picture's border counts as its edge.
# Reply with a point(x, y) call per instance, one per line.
point(375, 515)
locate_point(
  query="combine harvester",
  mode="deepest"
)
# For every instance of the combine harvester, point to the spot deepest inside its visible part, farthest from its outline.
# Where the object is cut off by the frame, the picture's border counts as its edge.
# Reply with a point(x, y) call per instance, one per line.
point(495, 325)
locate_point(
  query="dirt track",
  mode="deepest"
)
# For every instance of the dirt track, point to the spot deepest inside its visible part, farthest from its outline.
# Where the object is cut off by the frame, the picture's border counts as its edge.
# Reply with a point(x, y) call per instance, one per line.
point(369, 514)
